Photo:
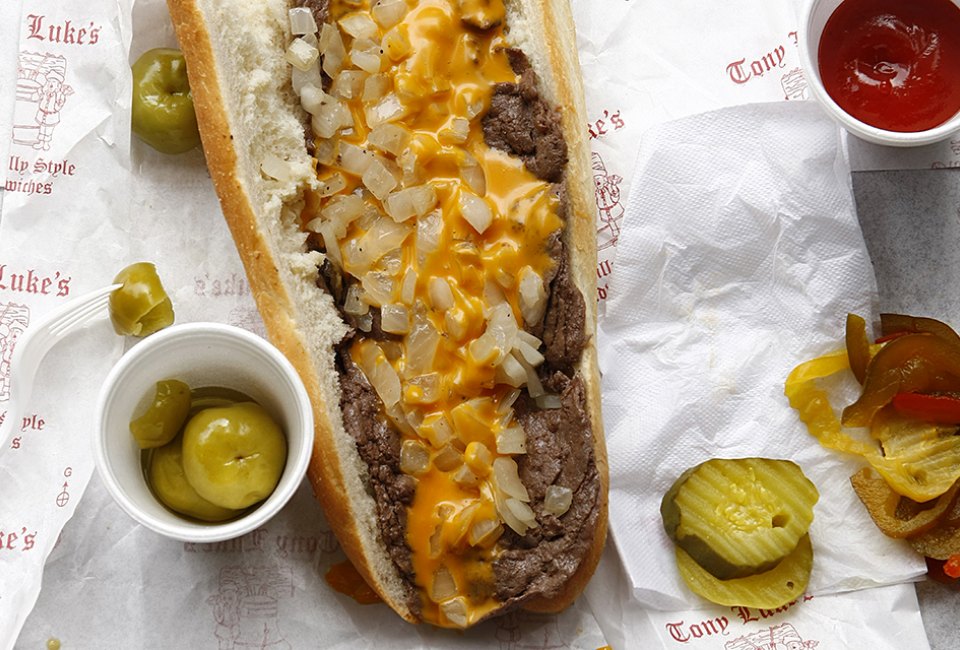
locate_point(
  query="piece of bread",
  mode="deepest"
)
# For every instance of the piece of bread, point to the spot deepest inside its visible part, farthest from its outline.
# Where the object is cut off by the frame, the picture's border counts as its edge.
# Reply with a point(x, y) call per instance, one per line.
point(250, 119)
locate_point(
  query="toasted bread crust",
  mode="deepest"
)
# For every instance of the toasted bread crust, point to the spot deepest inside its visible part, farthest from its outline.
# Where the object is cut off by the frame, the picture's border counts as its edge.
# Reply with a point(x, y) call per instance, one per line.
point(306, 327)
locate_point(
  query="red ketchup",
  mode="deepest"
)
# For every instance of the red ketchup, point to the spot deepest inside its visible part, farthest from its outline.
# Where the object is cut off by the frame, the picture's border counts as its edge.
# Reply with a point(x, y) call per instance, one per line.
point(893, 64)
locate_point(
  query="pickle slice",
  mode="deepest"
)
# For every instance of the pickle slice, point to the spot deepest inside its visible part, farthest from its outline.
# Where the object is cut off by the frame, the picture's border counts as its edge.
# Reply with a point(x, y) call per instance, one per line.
point(739, 517)
point(768, 590)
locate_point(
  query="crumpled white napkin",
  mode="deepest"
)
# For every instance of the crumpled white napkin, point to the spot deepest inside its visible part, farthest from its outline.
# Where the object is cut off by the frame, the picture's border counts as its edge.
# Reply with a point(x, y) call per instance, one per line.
point(740, 257)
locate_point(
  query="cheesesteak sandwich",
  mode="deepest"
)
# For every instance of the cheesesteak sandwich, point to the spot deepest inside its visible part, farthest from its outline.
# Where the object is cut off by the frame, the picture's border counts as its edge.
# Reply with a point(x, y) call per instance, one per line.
point(408, 186)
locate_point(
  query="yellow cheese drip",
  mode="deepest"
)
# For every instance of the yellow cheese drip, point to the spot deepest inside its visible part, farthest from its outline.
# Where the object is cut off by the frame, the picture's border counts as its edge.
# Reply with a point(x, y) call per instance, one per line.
point(448, 71)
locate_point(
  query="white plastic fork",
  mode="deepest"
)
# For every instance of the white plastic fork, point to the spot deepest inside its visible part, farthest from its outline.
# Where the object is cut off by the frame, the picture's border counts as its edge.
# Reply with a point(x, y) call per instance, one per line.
point(36, 341)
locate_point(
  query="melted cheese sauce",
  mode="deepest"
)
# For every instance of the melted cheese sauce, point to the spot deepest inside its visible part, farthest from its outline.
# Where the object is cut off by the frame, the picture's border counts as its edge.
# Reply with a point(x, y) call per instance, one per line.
point(443, 72)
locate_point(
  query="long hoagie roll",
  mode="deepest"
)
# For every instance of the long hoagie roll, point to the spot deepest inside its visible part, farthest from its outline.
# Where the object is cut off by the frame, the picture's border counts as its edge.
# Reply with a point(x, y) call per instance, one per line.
point(408, 186)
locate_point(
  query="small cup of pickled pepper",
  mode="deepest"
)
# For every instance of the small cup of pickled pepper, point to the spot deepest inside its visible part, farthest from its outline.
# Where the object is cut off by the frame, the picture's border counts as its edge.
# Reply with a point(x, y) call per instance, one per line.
point(136, 415)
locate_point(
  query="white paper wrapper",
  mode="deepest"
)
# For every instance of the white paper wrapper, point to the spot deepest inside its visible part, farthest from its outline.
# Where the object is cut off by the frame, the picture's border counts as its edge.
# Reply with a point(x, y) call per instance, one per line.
point(64, 119)
point(264, 590)
point(884, 618)
point(741, 257)
point(110, 583)
point(645, 63)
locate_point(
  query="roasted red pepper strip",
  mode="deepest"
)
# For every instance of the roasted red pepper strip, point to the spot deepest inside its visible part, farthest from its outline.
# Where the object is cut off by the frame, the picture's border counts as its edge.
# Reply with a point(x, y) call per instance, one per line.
point(911, 363)
point(951, 567)
point(941, 409)
point(858, 346)
point(891, 324)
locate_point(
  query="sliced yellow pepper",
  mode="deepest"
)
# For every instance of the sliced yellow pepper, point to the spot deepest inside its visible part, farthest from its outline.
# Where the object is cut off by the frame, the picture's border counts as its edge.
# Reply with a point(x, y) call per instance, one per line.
point(918, 460)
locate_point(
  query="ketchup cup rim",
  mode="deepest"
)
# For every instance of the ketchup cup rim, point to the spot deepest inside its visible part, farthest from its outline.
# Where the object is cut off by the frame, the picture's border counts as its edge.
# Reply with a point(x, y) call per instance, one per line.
point(128, 493)
point(809, 43)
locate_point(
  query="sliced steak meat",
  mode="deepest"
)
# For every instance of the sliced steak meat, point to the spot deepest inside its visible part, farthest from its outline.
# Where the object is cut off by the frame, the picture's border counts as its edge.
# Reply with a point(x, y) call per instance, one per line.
point(564, 326)
point(379, 447)
point(559, 441)
point(521, 122)
point(559, 452)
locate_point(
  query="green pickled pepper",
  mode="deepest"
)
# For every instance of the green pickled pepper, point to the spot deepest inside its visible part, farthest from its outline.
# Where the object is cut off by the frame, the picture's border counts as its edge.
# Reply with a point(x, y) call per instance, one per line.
point(141, 306)
point(164, 417)
point(162, 113)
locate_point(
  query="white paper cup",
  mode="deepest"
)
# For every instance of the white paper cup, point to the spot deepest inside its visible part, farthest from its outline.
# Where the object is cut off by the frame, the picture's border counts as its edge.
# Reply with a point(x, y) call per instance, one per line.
point(199, 354)
point(813, 17)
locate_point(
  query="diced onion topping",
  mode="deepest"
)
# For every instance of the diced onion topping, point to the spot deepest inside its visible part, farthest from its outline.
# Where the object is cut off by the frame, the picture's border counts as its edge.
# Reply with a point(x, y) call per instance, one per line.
point(378, 179)
point(331, 47)
point(522, 511)
point(533, 296)
point(394, 319)
point(436, 428)
point(423, 389)
point(512, 441)
point(448, 459)
point(557, 500)
point(354, 159)
point(389, 138)
point(301, 21)
point(309, 77)
point(476, 211)
point(414, 457)
point(430, 258)
point(440, 294)
point(549, 401)
point(412, 202)
point(301, 54)
point(380, 373)
point(508, 480)
point(457, 132)
point(359, 25)
point(465, 476)
point(276, 167)
point(478, 458)
point(455, 610)
point(443, 587)
point(388, 13)
point(484, 532)
point(331, 185)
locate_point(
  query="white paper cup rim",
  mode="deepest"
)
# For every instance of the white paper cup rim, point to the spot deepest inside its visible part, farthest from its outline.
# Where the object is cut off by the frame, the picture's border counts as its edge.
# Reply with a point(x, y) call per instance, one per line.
point(812, 18)
point(288, 394)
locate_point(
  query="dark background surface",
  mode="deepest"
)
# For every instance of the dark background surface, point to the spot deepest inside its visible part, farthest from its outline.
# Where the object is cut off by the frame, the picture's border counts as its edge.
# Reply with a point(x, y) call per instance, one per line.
point(911, 224)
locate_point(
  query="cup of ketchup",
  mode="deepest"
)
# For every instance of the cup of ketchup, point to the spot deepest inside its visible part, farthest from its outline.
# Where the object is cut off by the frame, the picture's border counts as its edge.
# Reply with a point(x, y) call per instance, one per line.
point(887, 70)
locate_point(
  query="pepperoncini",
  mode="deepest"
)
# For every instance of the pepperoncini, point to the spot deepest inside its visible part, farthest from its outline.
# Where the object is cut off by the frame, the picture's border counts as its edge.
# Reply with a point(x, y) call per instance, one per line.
point(162, 111)
point(165, 416)
point(141, 306)
point(919, 458)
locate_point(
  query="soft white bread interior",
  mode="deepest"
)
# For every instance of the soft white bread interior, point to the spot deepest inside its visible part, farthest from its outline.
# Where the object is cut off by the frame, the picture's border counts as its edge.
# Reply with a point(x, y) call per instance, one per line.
point(248, 113)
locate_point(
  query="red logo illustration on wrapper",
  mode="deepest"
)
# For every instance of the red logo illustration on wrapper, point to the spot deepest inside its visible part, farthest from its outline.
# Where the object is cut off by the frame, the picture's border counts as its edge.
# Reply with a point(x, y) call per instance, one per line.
point(608, 203)
point(14, 319)
point(794, 85)
point(41, 93)
point(246, 607)
point(778, 637)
